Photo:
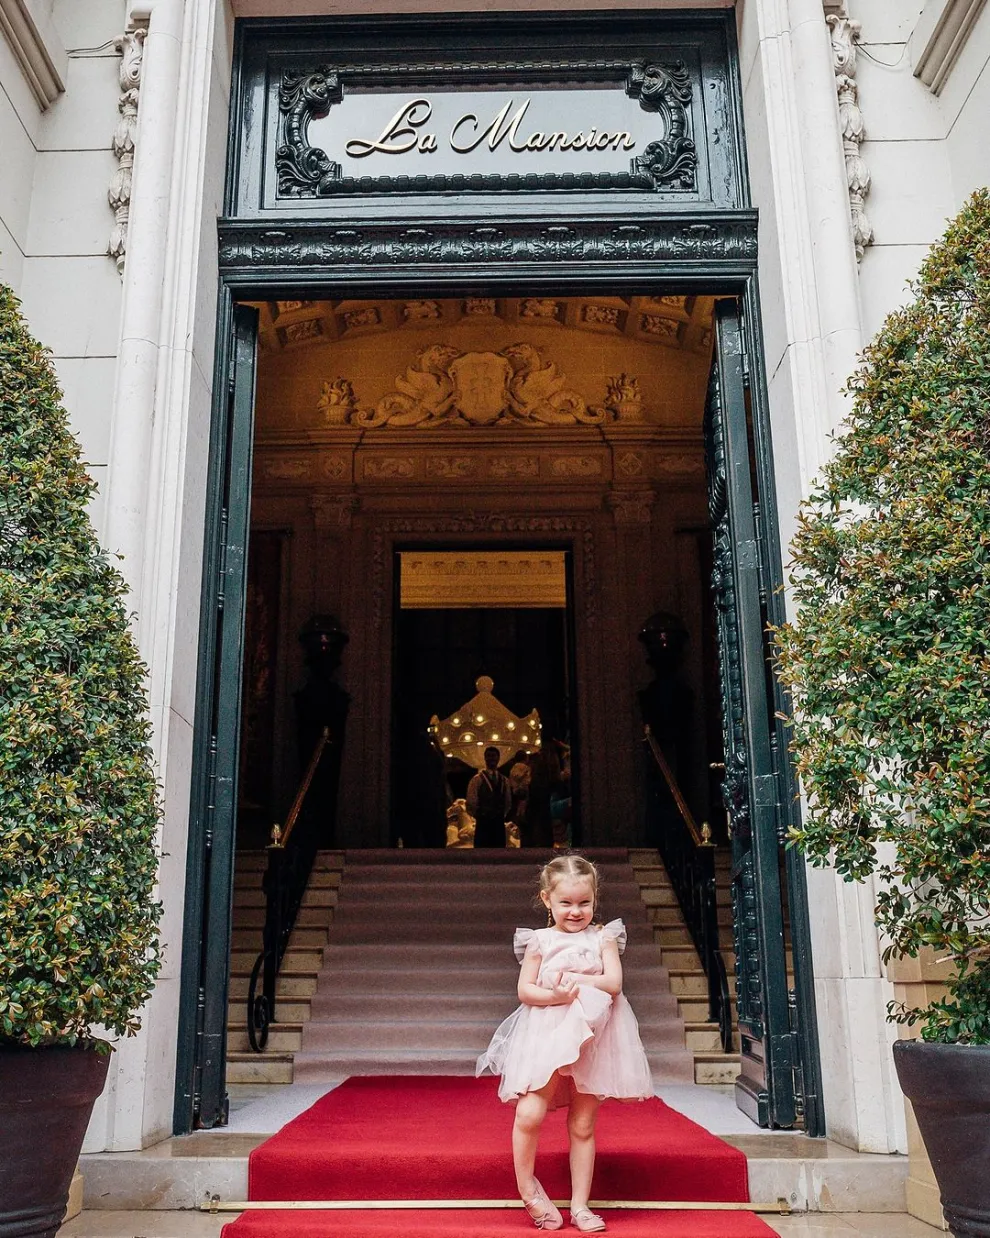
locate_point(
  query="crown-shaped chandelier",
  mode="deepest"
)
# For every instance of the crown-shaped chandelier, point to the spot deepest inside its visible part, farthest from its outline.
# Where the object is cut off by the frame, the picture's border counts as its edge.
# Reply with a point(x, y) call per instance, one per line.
point(484, 722)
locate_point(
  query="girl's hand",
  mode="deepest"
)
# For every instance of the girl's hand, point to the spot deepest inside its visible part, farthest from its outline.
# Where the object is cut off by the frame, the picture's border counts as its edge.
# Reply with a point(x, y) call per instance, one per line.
point(564, 990)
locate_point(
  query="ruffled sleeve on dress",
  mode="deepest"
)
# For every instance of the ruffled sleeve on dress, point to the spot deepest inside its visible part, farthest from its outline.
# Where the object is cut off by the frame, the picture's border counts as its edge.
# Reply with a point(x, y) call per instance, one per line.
point(526, 942)
point(615, 931)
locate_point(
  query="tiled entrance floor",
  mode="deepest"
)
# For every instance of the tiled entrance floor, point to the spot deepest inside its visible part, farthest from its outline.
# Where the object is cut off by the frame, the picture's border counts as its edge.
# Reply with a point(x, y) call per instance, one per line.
point(196, 1225)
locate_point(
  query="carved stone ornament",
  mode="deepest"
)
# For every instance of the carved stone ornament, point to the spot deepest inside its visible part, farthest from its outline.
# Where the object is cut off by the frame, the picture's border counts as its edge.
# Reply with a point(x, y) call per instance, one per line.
point(131, 47)
point(624, 399)
point(676, 240)
point(668, 163)
point(844, 35)
point(337, 402)
point(448, 387)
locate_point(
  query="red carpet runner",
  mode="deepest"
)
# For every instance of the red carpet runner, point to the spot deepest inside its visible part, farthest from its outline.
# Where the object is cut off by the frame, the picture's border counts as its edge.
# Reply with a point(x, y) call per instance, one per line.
point(448, 1138)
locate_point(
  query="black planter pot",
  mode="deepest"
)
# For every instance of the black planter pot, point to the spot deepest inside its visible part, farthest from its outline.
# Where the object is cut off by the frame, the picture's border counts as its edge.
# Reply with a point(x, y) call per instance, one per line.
point(46, 1097)
point(949, 1087)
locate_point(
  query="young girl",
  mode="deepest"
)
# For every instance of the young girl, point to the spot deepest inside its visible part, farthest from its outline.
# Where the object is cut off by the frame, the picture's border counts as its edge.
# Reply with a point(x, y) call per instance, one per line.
point(574, 1040)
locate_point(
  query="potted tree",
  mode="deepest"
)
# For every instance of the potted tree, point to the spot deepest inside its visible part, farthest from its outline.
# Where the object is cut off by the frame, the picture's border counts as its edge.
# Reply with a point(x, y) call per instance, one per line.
point(887, 659)
point(78, 797)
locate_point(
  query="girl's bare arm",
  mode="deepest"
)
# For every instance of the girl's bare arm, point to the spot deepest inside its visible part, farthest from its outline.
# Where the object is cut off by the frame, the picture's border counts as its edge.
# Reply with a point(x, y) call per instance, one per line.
point(532, 994)
point(610, 981)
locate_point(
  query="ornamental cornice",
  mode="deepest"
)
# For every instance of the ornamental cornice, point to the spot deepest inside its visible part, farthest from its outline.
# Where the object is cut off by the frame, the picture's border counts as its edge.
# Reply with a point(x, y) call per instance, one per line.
point(677, 240)
point(36, 46)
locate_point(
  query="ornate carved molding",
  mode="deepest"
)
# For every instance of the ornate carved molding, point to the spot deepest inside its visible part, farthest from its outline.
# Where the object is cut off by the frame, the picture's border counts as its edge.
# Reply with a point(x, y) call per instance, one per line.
point(448, 387)
point(677, 241)
point(131, 47)
point(302, 169)
point(668, 163)
point(844, 33)
point(666, 89)
point(582, 529)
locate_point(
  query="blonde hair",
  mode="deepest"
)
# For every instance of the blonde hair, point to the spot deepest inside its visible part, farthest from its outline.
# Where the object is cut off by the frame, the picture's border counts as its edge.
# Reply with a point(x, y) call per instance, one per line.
point(574, 866)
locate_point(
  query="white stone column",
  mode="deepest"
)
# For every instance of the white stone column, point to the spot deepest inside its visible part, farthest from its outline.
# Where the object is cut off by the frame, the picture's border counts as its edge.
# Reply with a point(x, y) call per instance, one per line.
point(156, 482)
point(813, 334)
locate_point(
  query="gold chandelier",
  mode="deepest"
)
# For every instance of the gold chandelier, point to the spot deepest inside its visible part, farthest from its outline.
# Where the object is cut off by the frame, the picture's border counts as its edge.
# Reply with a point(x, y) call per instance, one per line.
point(484, 722)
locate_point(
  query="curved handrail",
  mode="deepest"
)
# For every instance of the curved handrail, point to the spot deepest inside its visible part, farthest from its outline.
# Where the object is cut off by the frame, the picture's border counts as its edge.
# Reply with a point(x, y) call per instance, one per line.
point(284, 885)
point(688, 856)
point(280, 834)
point(702, 837)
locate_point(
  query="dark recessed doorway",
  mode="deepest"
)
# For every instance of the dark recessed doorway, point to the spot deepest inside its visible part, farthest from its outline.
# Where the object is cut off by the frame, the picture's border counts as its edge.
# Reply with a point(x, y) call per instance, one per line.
point(440, 652)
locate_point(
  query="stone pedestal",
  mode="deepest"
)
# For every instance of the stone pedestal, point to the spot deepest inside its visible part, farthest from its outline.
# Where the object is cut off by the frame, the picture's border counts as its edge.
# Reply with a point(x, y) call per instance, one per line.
point(916, 983)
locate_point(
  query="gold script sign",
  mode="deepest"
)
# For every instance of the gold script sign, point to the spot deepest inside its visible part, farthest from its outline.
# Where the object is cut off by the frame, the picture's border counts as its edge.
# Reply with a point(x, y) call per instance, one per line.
point(406, 133)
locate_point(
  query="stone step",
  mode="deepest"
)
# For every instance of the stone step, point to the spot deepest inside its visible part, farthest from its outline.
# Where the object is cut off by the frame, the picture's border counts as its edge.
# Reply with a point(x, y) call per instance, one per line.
point(716, 1068)
point(335, 1001)
point(283, 1037)
point(286, 986)
point(289, 1010)
point(294, 962)
point(702, 1037)
point(259, 1067)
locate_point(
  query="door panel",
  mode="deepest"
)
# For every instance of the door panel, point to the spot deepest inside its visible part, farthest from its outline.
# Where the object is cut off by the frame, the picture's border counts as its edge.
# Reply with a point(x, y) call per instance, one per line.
point(765, 1088)
point(201, 1099)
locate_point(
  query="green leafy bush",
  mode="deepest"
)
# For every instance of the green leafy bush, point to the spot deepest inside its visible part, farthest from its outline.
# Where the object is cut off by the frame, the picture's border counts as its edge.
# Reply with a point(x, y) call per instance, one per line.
point(888, 655)
point(78, 798)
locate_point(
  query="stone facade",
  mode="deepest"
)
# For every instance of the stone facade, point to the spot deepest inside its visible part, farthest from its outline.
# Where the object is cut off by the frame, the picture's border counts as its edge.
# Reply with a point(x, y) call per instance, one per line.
point(865, 126)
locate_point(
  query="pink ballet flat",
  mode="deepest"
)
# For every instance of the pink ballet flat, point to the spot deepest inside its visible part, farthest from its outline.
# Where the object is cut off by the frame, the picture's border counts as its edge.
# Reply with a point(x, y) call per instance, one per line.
point(544, 1213)
point(587, 1222)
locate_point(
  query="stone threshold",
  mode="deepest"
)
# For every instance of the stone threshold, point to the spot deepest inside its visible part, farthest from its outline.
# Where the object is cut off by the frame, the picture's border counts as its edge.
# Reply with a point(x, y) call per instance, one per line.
point(813, 1175)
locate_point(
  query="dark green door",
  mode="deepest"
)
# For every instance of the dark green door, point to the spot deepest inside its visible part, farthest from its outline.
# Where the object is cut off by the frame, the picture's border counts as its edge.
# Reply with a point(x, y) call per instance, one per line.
point(766, 1086)
point(201, 1093)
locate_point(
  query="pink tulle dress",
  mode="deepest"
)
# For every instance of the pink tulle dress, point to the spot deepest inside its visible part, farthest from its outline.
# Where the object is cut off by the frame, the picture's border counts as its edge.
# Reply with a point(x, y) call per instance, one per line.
point(593, 1042)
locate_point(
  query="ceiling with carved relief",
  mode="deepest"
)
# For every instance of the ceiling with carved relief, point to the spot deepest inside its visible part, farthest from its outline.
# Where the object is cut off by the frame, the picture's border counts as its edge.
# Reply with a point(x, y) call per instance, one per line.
point(683, 323)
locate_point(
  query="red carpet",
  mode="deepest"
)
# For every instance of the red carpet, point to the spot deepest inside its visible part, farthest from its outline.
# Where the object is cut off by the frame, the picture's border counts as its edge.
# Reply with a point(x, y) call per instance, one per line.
point(448, 1138)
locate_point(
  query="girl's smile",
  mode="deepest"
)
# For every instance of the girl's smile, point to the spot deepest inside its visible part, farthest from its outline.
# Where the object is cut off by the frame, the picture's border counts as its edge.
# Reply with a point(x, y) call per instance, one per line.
point(571, 902)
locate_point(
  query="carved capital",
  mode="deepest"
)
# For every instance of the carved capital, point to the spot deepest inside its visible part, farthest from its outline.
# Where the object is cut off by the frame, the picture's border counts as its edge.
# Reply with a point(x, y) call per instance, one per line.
point(631, 507)
point(333, 511)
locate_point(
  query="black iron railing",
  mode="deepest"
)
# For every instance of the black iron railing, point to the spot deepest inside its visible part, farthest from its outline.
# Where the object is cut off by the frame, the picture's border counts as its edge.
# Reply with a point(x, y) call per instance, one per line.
point(290, 861)
point(688, 854)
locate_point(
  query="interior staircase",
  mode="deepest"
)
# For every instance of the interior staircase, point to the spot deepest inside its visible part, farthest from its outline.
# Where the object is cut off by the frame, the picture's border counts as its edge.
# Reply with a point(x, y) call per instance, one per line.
point(418, 969)
point(300, 967)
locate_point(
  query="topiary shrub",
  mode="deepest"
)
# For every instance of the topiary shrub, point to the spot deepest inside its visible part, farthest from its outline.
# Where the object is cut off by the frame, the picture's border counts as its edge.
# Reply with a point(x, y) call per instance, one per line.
point(78, 798)
point(888, 654)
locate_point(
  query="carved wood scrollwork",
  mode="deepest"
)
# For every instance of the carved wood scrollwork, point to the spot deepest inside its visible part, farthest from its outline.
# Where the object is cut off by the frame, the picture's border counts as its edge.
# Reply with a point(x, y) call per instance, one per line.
point(668, 163)
point(666, 89)
point(303, 170)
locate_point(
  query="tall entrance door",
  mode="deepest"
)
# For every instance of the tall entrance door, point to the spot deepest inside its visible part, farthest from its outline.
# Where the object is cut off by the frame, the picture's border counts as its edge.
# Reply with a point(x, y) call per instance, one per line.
point(321, 207)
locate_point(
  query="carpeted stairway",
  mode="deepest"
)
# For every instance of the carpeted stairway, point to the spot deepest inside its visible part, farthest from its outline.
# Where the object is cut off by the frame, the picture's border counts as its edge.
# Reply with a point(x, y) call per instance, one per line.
point(420, 969)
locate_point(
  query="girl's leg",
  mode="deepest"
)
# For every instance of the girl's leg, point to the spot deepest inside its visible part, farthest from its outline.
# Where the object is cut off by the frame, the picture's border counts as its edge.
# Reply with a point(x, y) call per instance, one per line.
point(531, 1109)
point(581, 1131)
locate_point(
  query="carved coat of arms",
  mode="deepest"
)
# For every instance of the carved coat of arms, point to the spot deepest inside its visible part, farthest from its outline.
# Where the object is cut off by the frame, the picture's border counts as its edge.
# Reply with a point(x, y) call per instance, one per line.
point(449, 387)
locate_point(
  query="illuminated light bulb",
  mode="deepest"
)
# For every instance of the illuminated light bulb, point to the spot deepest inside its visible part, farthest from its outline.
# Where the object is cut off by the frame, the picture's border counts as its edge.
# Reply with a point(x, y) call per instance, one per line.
point(494, 734)
point(456, 721)
point(479, 718)
point(511, 726)
point(445, 740)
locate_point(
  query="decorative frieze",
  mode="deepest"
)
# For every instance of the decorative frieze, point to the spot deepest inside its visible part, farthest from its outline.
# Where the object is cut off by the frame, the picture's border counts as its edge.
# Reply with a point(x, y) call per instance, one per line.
point(844, 34)
point(676, 241)
point(131, 47)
